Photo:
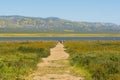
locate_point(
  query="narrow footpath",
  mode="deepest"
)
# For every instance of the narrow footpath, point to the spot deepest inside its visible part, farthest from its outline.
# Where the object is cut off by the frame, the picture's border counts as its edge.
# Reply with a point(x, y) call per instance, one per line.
point(54, 67)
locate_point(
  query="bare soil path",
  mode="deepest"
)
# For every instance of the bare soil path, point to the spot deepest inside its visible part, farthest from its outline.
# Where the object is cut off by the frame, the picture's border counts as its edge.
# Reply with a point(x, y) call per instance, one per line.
point(54, 67)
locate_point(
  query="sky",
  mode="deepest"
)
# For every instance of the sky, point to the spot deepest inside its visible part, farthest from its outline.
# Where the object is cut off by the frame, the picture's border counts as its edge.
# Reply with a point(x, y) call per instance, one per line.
point(75, 10)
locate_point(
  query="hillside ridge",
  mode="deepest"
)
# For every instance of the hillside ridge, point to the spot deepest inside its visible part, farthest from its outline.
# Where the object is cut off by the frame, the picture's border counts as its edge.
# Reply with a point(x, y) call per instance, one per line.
point(22, 24)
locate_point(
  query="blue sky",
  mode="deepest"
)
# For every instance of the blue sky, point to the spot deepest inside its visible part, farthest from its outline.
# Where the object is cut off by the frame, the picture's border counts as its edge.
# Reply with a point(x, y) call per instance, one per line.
point(76, 10)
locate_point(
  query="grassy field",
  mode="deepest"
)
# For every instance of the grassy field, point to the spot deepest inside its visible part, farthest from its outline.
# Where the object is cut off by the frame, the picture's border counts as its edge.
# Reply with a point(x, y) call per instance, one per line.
point(58, 35)
point(98, 60)
point(19, 58)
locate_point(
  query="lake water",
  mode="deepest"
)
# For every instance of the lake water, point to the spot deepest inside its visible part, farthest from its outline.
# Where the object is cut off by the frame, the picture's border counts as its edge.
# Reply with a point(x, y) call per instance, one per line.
point(59, 38)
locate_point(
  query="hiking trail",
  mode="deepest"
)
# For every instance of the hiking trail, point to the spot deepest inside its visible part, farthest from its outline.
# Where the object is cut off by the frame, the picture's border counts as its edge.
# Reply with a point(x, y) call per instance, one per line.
point(54, 67)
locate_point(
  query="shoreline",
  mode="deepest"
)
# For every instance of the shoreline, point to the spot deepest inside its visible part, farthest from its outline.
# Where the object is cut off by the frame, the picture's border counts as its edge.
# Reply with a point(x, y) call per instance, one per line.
point(59, 35)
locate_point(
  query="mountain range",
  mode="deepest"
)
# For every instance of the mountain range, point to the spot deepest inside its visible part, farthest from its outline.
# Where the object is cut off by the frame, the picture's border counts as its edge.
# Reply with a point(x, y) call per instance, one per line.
point(22, 24)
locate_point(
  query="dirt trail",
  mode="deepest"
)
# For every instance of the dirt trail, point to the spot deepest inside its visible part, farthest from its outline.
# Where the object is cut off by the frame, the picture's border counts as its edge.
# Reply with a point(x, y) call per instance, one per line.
point(54, 67)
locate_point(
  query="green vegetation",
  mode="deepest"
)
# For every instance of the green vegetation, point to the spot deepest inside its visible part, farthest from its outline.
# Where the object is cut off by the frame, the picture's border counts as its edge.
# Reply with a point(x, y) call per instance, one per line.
point(96, 60)
point(101, 59)
point(19, 58)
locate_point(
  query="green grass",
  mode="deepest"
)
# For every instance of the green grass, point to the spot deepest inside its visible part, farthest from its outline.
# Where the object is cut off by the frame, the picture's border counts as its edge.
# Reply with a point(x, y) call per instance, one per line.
point(95, 60)
point(58, 35)
point(18, 58)
point(99, 60)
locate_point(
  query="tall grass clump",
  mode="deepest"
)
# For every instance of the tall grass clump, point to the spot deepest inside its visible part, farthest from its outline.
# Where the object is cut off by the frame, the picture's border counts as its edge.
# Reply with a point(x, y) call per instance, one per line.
point(19, 58)
point(101, 59)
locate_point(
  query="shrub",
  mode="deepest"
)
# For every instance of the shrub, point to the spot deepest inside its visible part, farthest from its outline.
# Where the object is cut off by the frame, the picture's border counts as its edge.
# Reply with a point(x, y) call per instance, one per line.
point(100, 58)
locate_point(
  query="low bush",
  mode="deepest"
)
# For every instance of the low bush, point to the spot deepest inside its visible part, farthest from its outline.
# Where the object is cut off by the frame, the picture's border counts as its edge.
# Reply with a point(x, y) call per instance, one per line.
point(100, 58)
point(18, 58)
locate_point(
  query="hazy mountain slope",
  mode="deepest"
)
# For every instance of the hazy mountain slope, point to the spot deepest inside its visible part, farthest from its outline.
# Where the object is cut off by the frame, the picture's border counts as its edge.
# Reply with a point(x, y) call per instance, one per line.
point(52, 24)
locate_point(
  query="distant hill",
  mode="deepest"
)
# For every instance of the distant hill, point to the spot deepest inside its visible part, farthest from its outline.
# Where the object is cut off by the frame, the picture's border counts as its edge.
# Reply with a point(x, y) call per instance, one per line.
point(21, 24)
